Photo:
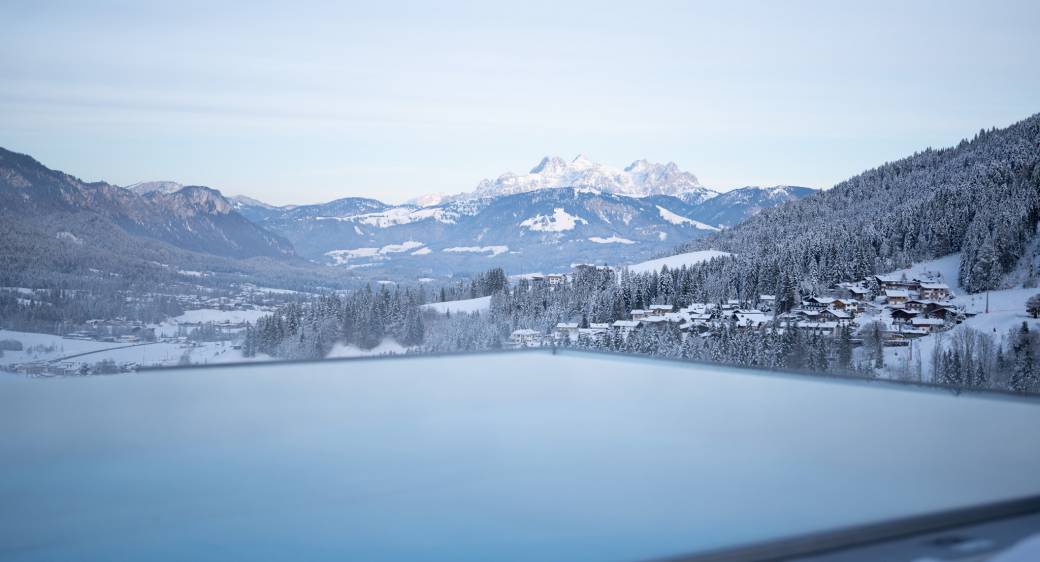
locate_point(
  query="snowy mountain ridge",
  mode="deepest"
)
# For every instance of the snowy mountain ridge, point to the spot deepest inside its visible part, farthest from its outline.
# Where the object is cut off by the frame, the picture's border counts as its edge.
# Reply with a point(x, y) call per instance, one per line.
point(641, 178)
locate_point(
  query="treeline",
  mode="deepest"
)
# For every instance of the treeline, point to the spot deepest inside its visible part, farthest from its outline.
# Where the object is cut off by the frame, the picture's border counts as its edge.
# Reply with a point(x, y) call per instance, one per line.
point(58, 311)
point(363, 318)
point(980, 198)
point(973, 359)
point(599, 295)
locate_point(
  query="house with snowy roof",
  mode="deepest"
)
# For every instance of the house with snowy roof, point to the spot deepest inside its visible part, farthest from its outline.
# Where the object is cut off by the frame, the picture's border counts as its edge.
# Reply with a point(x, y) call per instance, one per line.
point(935, 291)
point(897, 297)
point(566, 330)
point(659, 309)
point(929, 324)
point(625, 327)
point(525, 337)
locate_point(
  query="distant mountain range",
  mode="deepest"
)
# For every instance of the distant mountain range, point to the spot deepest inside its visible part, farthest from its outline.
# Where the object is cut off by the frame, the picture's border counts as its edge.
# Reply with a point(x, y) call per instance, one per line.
point(192, 218)
point(558, 214)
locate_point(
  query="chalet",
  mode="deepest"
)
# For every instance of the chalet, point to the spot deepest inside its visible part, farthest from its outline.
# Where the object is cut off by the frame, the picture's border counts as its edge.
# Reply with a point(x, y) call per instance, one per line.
point(929, 324)
point(886, 282)
point(595, 332)
point(555, 279)
point(836, 315)
point(625, 327)
point(655, 321)
point(818, 328)
point(567, 330)
point(903, 316)
point(947, 313)
point(31, 368)
point(525, 337)
point(897, 297)
point(693, 320)
point(817, 303)
point(917, 305)
point(750, 318)
point(767, 302)
point(638, 314)
point(935, 291)
point(806, 314)
point(857, 292)
point(659, 309)
point(599, 326)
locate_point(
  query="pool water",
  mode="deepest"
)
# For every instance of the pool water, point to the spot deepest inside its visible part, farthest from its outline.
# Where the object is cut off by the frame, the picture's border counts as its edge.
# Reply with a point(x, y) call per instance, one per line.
point(515, 456)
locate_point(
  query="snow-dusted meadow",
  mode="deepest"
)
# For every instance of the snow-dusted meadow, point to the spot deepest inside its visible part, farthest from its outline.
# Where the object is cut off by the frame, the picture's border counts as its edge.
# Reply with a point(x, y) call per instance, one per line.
point(676, 261)
point(478, 304)
point(520, 456)
point(53, 348)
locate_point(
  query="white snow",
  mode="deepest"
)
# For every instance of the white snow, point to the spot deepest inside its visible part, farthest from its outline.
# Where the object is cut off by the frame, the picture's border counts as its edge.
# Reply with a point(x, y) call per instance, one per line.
point(69, 237)
point(90, 352)
point(677, 261)
point(388, 346)
point(639, 179)
point(493, 250)
point(218, 316)
point(681, 220)
point(403, 215)
point(611, 240)
point(341, 257)
point(468, 305)
point(33, 341)
point(559, 221)
point(402, 247)
point(946, 268)
point(344, 256)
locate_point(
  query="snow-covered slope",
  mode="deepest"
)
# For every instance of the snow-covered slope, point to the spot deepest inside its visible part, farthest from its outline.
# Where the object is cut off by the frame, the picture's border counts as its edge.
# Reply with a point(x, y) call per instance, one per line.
point(676, 261)
point(478, 304)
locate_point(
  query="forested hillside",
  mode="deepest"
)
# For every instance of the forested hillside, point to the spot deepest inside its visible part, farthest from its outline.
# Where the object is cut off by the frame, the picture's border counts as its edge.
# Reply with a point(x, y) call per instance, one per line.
point(980, 198)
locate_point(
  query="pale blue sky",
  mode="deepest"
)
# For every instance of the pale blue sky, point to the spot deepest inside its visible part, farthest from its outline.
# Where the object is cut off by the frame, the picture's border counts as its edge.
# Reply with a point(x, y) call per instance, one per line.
point(306, 102)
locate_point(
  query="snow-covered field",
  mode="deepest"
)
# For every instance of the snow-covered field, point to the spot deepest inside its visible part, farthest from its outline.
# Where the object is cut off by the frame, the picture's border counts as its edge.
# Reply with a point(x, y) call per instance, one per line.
point(89, 352)
point(62, 347)
point(680, 220)
point(219, 316)
point(493, 250)
point(386, 347)
point(170, 327)
point(611, 240)
point(676, 261)
point(468, 305)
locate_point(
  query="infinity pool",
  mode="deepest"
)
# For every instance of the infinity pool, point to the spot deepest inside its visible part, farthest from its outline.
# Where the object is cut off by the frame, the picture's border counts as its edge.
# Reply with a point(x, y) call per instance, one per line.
point(515, 456)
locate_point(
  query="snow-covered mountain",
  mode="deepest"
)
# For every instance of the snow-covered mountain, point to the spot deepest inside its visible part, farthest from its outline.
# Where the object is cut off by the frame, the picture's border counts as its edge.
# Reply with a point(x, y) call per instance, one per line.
point(736, 206)
point(540, 230)
point(194, 218)
point(639, 179)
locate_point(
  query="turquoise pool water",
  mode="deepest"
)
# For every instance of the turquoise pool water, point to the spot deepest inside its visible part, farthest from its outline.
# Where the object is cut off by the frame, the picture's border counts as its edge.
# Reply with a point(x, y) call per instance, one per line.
point(503, 457)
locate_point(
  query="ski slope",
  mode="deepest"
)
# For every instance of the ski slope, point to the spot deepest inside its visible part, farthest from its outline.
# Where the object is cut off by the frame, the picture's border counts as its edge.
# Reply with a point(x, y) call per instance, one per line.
point(479, 304)
point(677, 261)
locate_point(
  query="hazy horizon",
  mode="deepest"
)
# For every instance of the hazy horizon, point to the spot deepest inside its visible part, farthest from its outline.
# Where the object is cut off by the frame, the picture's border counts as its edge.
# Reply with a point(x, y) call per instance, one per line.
point(310, 103)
